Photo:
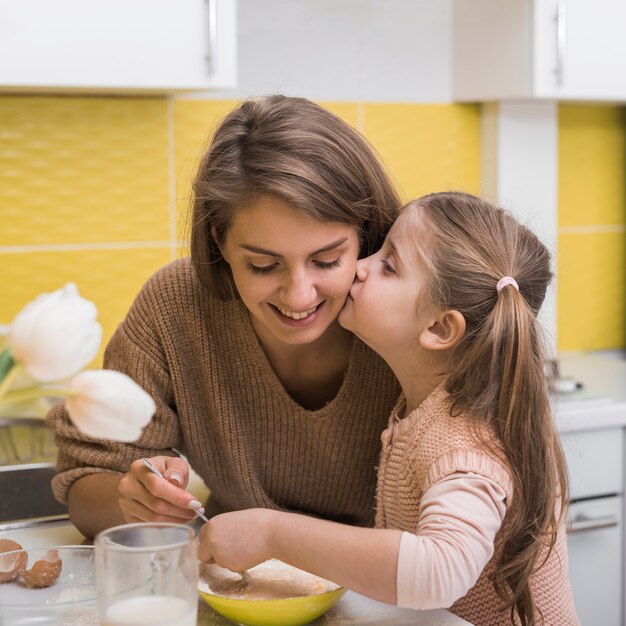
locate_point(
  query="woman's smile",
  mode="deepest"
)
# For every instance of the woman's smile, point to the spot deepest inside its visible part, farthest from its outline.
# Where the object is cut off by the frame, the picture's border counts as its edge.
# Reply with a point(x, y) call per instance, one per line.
point(304, 317)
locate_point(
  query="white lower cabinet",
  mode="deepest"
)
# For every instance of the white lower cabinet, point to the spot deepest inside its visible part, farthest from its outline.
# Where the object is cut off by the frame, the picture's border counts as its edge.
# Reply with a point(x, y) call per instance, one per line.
point(595, 553)
point(596, 520)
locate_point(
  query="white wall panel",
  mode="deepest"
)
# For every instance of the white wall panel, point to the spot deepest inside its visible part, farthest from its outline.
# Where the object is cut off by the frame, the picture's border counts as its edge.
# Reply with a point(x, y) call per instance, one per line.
point(519, 171)
point(371, 50)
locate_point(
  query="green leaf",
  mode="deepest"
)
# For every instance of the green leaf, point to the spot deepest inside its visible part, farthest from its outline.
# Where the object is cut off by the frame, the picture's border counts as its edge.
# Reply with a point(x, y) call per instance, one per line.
point(6, 363)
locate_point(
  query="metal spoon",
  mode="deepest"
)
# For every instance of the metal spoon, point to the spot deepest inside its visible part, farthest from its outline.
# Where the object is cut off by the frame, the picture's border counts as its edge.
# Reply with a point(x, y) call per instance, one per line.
point(245, 577)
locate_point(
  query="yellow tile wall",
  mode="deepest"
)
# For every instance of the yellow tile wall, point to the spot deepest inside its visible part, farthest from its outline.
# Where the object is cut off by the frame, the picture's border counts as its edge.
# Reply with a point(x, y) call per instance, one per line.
point(427, 148)
point(83, 170)
point(96, 190)
point(591, 288)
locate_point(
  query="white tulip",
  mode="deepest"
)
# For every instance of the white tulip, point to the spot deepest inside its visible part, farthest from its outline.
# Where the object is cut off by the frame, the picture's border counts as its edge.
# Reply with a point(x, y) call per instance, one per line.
point(55, 335)
point(109, 405)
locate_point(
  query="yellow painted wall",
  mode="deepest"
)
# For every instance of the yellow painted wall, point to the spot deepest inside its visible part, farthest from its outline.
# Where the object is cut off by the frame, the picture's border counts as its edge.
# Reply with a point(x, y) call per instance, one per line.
point(592, 228)
point(96, 190)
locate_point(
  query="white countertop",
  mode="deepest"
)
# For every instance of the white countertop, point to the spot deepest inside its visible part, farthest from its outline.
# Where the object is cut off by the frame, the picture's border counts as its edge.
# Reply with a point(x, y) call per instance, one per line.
point(601, 403)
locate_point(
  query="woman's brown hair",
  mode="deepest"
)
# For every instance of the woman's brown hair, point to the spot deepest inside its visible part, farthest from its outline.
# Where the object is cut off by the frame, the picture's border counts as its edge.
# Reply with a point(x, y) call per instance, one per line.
point(303, 154)
point(497, 370)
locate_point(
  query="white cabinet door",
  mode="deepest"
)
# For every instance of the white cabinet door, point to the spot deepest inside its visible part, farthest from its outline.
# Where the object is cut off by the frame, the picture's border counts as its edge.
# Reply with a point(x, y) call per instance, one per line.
point(557, 49)
point(144, 45)
point(580, 49)
point(595, 559)
point(595, 462)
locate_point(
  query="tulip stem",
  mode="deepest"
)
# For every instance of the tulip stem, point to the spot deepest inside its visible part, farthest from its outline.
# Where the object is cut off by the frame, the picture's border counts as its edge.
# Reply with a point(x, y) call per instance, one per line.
point(32, 393)
point(9, 378)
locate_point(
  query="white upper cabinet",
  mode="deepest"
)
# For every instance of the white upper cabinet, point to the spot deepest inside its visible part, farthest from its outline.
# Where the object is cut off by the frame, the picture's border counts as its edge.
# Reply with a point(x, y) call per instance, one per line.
point(117, 45)
point(557, 49)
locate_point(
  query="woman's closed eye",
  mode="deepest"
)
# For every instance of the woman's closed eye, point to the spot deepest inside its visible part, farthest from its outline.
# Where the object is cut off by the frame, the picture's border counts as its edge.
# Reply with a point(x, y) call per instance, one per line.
point(261, 269)
point(328, 265)
point(266, 269)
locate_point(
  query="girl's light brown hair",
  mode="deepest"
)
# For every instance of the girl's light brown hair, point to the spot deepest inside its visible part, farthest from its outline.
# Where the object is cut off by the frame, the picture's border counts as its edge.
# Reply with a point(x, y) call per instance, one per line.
point(497, 370)
point(303, 154)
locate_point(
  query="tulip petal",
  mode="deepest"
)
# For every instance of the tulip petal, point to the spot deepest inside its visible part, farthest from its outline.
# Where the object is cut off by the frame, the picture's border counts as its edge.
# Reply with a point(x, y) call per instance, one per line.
point(109, 405)
point(56, 334)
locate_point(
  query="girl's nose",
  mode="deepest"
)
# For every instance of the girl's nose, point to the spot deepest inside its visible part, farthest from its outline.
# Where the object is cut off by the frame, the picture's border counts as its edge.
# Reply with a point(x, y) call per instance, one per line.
point(361, 269)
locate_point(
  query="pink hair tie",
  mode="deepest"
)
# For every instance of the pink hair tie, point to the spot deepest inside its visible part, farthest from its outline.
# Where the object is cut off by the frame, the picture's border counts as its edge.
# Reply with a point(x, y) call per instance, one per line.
point(504, 281)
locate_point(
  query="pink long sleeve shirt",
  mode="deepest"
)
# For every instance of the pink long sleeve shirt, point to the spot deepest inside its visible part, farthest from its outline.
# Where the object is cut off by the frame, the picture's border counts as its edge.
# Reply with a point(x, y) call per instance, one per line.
point(459, 519)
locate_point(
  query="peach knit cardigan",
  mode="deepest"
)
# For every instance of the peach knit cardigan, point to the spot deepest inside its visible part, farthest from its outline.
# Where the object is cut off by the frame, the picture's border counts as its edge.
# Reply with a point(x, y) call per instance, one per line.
point(425, 447)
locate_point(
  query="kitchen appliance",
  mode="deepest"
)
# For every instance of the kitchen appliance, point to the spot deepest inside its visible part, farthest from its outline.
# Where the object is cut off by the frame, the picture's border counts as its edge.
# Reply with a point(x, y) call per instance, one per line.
point(27, 465)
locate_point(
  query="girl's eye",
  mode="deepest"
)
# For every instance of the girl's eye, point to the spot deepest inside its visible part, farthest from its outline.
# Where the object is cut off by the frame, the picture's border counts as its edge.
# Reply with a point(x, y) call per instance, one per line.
point(265, 269)
point(330, 265)
point(386, 267)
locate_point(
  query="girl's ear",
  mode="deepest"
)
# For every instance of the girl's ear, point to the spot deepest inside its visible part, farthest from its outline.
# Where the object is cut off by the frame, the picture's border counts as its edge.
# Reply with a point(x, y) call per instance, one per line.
point(445, 332)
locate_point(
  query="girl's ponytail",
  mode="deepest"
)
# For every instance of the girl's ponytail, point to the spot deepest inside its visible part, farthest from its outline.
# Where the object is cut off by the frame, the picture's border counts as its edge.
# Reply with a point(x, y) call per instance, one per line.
point(497, 370)
point(531, 446)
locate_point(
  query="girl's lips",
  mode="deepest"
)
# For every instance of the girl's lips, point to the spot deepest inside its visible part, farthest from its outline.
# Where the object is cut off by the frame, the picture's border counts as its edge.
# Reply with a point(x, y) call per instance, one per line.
point(293, 323)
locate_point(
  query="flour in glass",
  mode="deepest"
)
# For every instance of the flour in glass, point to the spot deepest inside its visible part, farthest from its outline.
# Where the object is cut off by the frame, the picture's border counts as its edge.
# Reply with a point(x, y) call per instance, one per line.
point(151, 611)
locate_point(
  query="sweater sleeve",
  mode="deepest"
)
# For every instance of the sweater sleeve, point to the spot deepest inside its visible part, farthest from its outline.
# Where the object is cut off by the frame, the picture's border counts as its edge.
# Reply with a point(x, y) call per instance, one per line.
point(133, 350)
point(459, 518)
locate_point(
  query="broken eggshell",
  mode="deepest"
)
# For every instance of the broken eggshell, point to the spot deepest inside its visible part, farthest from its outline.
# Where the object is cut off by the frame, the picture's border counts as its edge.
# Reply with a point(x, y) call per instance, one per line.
point(11, 564)
point(44, 572)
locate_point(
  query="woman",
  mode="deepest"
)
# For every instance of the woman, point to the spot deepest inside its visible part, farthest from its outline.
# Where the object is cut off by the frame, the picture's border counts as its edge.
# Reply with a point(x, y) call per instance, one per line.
point(254, 379)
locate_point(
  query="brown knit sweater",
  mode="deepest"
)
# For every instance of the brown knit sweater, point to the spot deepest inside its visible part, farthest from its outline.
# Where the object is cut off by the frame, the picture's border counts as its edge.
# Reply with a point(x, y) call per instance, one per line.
point(425, 447)
point(219, 401)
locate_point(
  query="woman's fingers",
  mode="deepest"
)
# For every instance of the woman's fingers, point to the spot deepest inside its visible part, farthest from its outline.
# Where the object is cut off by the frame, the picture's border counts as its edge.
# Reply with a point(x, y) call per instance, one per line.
point(176, 470)
point(163, 498)
point(149, 497)
point(138, 512)
point(165, 489)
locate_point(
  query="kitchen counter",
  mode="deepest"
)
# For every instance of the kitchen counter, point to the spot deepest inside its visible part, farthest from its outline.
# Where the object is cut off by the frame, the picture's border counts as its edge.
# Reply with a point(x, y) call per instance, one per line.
point(601, 402)
point(352, 610)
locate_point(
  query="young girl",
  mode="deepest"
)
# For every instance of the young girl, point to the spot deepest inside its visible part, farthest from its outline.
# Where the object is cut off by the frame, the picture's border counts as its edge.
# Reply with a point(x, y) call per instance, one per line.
point(471, 475)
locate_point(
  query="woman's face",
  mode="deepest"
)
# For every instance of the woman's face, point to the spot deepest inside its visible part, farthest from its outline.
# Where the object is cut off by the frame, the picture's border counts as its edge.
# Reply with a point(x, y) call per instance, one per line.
point(292, 271)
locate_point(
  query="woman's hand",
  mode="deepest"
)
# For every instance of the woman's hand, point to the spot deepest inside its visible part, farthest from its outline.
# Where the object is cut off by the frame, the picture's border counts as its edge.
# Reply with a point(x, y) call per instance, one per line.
point(146, 497)
point(238, 540)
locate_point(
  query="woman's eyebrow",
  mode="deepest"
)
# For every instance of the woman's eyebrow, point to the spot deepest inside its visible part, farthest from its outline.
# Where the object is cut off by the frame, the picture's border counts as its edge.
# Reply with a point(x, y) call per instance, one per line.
point(257, 250)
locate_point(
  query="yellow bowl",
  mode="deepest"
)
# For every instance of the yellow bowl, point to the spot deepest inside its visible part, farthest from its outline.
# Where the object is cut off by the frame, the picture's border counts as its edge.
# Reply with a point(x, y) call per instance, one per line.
point(282, 612)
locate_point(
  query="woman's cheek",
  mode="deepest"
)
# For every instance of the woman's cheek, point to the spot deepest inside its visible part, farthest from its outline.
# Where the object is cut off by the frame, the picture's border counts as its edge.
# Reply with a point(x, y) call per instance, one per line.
point(347, 278)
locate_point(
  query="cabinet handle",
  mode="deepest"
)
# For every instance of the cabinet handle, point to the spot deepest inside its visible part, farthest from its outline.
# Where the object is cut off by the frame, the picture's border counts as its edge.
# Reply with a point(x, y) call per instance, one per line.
point(211, 50)
point(561, 41)
point(582, 523)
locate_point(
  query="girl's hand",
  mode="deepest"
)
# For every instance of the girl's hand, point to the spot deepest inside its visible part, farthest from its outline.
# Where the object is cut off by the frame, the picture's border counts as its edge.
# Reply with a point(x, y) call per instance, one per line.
point(238, 540)
point(146, 497)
